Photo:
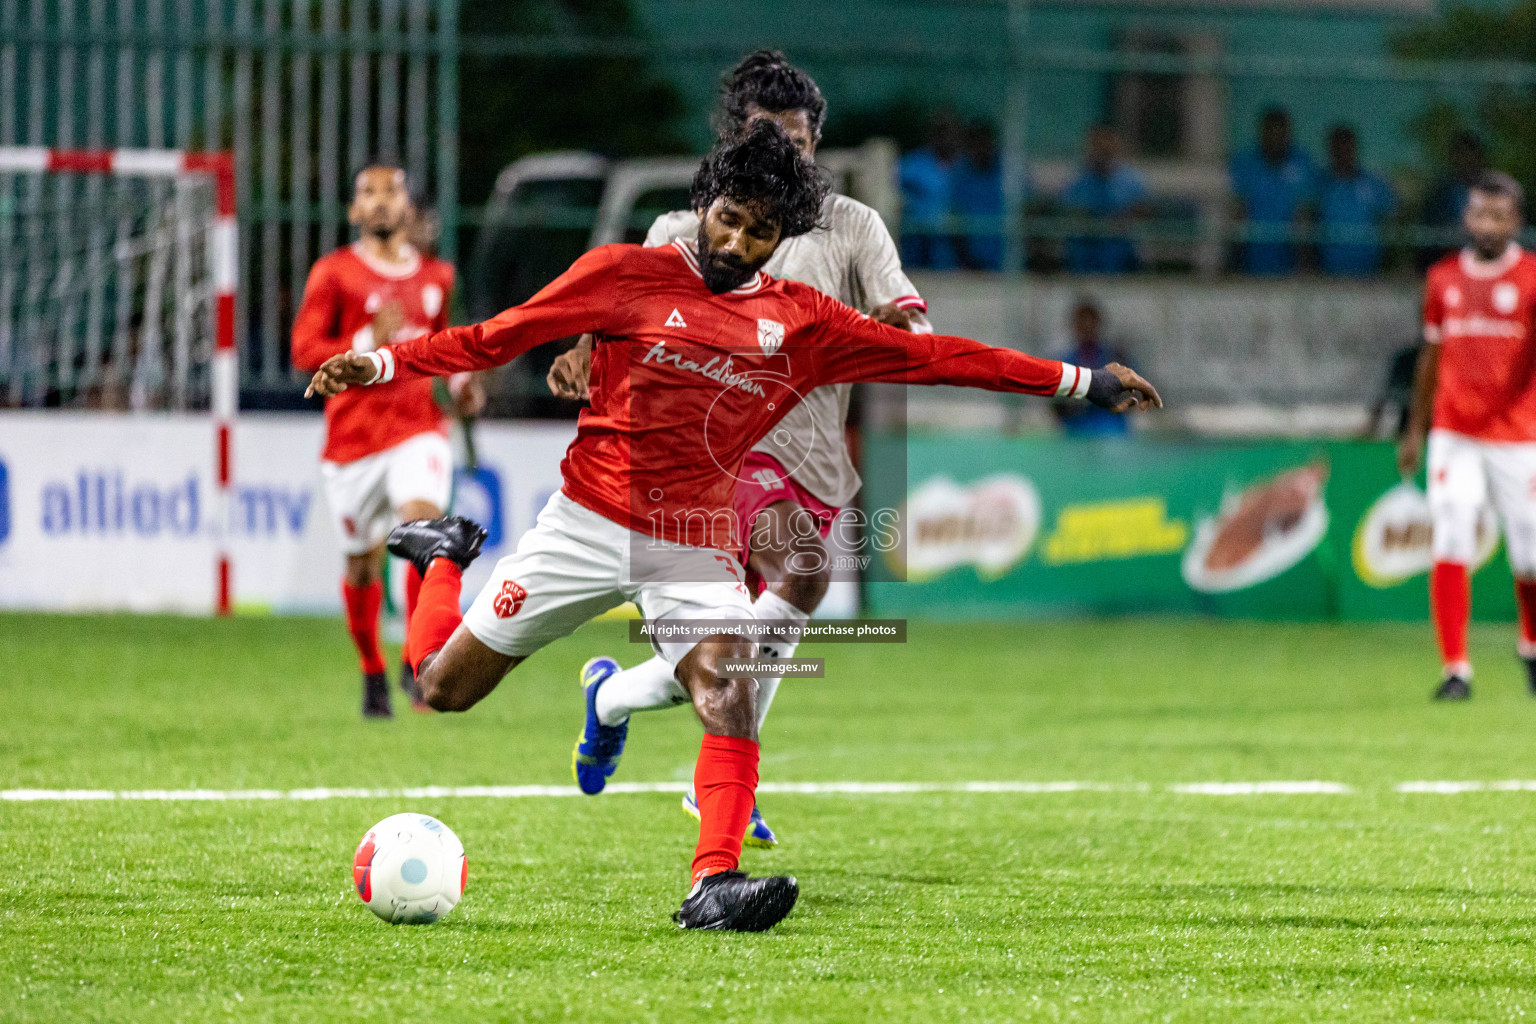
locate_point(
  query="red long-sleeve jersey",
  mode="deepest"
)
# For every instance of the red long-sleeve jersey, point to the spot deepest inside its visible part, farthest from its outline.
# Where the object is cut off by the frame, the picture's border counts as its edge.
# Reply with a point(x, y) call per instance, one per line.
point(684, 381)
point(344, 290)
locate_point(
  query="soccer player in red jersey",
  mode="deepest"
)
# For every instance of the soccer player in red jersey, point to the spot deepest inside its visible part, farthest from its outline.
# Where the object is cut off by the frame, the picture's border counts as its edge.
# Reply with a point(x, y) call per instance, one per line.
point(645, 513)
point(386, 449)
point(796, 481)
point(1475, 398)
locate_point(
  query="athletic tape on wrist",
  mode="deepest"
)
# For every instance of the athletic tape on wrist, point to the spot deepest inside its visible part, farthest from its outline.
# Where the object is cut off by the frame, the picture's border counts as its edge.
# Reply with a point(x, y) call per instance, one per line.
point(1074, 381)
point(383, 361)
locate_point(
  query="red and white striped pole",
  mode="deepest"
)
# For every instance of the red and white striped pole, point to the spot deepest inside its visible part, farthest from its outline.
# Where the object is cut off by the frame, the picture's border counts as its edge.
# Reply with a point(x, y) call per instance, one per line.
point(223, 249)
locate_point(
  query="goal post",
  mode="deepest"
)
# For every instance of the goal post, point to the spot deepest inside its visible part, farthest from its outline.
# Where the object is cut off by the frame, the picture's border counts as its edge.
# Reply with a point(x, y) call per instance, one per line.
point(124, 295)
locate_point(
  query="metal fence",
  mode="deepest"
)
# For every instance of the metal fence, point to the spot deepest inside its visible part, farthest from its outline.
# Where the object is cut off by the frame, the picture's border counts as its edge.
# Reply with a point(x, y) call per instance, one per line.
point(301, 91)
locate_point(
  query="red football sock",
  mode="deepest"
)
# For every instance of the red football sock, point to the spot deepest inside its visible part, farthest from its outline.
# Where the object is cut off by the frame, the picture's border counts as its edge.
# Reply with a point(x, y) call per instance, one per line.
point(412, 592)
point(1525, 594)
point(1450, 598)
point(725, 784)
point(437, 612)
point(363, 622)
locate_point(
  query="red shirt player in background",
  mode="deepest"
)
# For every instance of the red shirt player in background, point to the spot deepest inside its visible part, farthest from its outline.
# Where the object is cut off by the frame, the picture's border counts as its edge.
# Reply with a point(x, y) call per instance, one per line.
point(1475, 396)
point(386, 452)
point(698, 355)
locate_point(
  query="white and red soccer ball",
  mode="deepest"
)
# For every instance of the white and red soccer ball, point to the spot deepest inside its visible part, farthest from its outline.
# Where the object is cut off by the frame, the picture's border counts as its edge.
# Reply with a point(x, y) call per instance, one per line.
point(410, 869)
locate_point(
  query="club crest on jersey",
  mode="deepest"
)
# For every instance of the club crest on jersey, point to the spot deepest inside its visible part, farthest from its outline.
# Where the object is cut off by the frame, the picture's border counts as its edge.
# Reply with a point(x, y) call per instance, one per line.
point(675, 320)
point(1505, 297)
point(770, 335)
point(432, 300)
point(1453, 296)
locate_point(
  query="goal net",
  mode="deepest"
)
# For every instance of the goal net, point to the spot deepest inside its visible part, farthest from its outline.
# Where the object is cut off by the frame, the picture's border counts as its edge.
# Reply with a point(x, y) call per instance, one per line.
point(109, 280)
point(117, 289)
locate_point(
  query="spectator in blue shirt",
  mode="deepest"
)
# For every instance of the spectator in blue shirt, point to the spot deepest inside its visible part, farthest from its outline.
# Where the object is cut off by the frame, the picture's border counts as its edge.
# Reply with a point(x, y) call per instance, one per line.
point(1447, 198)
point(1111, 195)
point(1084, 419)
point(976, 197)
point(1272, 184)
point(926, 176)
point(1351, 204)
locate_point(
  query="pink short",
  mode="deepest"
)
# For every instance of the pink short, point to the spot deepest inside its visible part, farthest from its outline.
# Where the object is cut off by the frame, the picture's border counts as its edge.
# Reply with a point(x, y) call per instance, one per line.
point(764, 481)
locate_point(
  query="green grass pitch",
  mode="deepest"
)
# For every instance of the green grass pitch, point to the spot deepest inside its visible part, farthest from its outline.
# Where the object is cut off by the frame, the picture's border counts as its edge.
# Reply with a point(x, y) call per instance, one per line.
point(1133, 904)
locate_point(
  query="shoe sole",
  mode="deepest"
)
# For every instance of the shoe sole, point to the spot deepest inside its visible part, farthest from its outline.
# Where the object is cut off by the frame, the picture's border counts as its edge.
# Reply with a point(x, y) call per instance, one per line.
point(747, 840)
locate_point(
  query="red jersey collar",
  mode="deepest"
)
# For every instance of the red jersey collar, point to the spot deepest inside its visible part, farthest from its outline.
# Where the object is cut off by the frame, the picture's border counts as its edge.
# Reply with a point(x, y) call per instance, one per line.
point(758, 282)
point(1472, 266)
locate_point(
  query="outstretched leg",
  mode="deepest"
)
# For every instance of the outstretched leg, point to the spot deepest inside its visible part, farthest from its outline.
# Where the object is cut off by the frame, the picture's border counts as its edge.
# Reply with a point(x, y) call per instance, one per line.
point(410, 511)
point(454, 669)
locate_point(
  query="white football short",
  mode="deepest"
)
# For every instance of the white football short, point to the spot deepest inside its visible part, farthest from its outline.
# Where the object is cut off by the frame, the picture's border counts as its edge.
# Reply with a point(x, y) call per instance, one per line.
point(1464, 475)
point(575, 564)
point(363, 494)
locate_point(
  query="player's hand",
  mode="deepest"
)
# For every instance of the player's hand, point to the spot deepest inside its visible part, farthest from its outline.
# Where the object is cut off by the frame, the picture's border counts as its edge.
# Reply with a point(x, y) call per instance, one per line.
point(388, 321)
point(337, 372)
point(890, 313)
point(469, 398)
point(569, 375)
point(1410, 451)
point(1121, 389)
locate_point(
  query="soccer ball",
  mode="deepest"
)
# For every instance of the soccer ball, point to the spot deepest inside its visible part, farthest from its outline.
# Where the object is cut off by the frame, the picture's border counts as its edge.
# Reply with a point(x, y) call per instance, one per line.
point(410, 869)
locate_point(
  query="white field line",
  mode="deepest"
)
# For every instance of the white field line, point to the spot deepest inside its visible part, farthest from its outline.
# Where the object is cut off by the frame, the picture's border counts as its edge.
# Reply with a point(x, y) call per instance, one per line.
point(1282, 788)
point(1505, 786)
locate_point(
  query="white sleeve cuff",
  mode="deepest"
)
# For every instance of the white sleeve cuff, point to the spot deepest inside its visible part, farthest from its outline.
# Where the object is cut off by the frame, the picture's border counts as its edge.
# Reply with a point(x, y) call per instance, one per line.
point(383, 361)
point(1074, 381)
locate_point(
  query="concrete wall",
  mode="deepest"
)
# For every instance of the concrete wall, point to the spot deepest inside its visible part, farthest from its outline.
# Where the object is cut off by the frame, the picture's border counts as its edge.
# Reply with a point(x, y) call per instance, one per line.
point(1301, 342)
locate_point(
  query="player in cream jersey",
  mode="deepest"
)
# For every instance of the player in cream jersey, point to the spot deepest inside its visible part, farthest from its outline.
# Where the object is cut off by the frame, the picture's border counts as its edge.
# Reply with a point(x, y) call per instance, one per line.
point(798, 478)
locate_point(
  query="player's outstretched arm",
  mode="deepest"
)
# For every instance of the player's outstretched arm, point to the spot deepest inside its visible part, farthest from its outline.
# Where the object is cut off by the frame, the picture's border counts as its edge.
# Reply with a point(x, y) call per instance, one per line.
point(584, 298)
point(862, 350)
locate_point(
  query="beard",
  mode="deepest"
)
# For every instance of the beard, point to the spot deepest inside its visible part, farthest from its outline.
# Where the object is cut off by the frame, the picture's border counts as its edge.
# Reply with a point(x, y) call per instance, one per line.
point(381, 227)
point(1489, 247)
point(722, 273)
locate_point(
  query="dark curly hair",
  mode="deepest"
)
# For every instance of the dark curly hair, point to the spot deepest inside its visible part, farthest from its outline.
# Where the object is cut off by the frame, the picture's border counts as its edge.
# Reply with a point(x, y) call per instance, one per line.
point(761, 169)
point(768, 81)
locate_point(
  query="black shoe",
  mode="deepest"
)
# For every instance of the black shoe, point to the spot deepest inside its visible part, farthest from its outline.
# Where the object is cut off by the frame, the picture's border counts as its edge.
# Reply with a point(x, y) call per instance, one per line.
point(376, 696)
point(730, 901)
point(1454, 688)
point(1530, 674)
point(452, 537)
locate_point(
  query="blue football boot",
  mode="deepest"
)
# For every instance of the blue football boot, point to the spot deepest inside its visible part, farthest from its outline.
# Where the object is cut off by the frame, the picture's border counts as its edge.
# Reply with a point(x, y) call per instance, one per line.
point(600, 746)
point(758, 832)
